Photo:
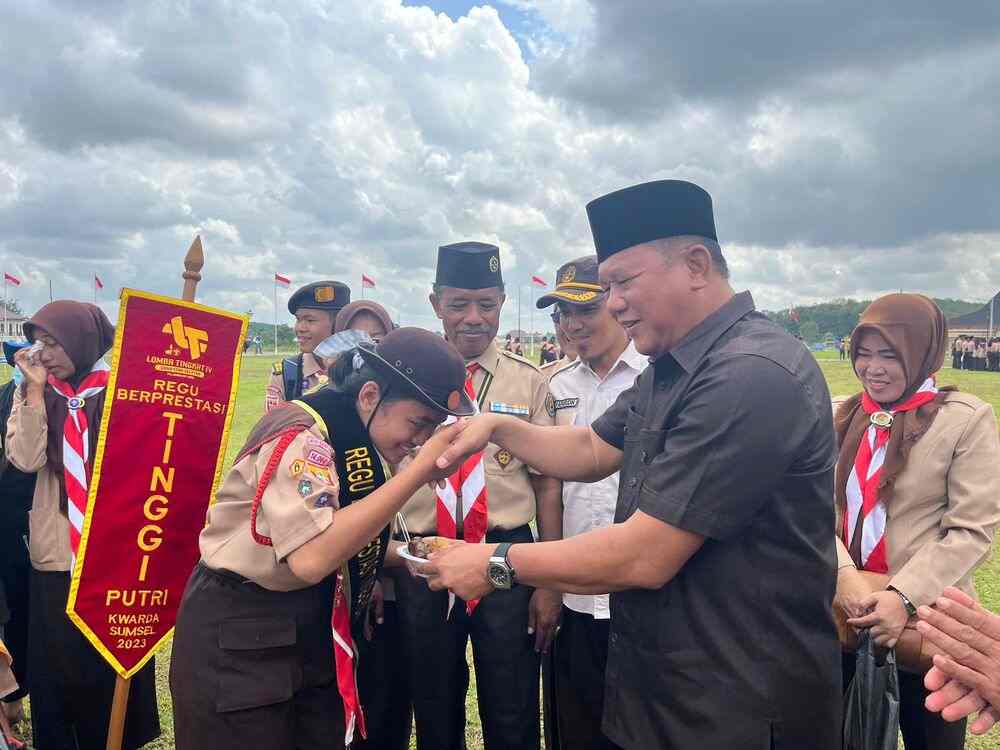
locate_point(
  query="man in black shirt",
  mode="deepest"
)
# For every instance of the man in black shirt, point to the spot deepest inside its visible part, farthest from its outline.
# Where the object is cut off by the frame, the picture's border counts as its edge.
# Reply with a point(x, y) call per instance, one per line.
point(721, 559)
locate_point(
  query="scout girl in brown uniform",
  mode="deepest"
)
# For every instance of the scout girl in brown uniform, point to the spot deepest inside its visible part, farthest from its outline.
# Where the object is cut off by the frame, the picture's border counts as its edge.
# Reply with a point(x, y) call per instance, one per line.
point(71, 685)
point(293, 543)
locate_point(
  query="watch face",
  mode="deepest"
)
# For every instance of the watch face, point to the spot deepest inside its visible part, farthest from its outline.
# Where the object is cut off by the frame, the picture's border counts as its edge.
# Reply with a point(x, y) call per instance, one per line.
point(499, 576)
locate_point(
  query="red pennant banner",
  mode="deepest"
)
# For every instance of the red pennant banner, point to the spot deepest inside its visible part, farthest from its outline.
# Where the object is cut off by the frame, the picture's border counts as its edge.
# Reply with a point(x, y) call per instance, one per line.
point(164, 430)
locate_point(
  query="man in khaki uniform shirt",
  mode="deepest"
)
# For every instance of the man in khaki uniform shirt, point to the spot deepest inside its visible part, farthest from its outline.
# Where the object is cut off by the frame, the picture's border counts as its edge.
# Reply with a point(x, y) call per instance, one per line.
point(509, 630)
point(315, 307)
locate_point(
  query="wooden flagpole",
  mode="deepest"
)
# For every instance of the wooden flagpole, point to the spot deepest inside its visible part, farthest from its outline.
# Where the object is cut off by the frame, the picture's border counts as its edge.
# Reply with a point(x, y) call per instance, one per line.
point(194, 260)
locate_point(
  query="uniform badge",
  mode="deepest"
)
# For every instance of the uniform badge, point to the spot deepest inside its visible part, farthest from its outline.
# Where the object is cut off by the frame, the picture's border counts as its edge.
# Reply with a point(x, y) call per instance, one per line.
point(296, 467)
point(568, 275)
point(319, 473)
point(520, 410)
point(324, 294)
point(881, 419)
point(494, 264)
point(503, 457)
point(324, 501)
point(566, 403)
point(550, 405)
point(305, 488)
point(319, 458)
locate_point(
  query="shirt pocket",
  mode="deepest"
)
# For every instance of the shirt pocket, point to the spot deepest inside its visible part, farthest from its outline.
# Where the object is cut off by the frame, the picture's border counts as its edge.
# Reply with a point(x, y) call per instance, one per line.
point(259, 663)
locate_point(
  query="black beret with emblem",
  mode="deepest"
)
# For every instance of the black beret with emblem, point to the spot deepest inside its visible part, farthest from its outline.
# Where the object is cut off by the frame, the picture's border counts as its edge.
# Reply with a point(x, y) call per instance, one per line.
point(469, 265)
point(576, 283)
point(320, 295)
point(647, 212)
point(425, 365)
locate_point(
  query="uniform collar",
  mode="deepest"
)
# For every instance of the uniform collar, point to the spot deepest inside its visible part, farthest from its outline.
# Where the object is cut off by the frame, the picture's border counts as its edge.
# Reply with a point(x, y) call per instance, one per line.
point(693, 347)
point(488, 359)
point(629, 358)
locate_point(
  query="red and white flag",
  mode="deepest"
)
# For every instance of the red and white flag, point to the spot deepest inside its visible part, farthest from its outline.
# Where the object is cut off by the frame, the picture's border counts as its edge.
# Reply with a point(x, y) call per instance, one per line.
point(98, 284)
point(539, 281)
point(367, 282)
point(9, 277)
point(281, 280)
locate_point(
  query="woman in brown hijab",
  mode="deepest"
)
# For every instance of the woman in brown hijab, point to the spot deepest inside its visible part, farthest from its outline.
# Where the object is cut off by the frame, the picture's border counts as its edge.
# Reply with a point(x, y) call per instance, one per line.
point(364, 315)
point(916, 488)
point(64, 383)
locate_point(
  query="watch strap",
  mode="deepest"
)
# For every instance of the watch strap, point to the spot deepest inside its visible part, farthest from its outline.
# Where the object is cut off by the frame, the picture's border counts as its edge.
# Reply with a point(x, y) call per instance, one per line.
point(911, 610)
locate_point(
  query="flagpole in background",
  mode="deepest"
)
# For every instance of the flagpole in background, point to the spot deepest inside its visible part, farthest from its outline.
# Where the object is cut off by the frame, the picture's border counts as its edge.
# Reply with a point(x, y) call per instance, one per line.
point(362, 286)
point(275, 313)
point(5, 305)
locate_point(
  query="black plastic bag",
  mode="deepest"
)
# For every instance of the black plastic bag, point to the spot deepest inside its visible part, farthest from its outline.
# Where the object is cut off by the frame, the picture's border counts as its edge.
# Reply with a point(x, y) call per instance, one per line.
point(871, 704)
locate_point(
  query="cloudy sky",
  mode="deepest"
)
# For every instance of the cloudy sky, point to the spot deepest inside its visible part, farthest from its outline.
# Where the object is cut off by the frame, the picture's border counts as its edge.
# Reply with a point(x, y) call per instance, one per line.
point(851, 148)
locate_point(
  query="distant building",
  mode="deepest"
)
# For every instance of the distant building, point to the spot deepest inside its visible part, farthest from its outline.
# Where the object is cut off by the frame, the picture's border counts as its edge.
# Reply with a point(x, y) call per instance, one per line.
point(983, 323)
point(11, 328)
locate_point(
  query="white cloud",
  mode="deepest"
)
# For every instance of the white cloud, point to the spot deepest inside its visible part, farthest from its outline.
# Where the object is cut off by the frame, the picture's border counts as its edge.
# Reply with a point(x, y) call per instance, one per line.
point(326, 140)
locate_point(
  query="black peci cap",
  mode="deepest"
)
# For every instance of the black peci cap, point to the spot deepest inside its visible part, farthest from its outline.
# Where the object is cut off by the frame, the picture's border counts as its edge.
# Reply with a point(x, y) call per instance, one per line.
point(320, 295)
point(647, 212)
point(469, 265)
point(576, 283)
point(425, 363)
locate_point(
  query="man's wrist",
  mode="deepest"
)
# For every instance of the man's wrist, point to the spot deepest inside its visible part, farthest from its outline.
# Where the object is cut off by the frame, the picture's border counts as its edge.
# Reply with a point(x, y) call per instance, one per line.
point(910, 608)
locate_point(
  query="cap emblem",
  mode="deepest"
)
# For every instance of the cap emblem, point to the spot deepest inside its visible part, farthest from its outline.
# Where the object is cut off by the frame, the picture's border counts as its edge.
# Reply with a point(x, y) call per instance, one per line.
point(324, 294)
point(454, 401)
point(568, 275)
point(494, 263)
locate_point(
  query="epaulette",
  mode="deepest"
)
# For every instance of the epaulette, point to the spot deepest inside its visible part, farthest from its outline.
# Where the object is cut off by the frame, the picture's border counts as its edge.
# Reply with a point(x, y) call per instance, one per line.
point(519, 358)
point(566, 367)
point(276, 368)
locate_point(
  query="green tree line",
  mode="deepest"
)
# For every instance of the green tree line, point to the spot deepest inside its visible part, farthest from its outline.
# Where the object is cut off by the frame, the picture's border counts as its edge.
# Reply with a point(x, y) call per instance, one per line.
point(837, 318)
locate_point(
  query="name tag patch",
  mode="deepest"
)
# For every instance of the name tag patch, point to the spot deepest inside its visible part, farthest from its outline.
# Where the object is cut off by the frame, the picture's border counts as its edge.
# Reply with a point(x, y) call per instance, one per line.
point(566, 403)
point(498, 407)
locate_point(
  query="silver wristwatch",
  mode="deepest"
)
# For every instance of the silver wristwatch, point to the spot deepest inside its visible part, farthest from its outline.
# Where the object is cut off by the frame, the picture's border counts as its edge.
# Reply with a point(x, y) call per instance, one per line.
point(498, 570)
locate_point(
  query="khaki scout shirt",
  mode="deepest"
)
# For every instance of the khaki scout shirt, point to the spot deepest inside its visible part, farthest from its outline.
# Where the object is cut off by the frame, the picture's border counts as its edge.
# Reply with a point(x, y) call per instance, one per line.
point(27, 436)
point(313, 374)
point(944, 509)
point(516, 385)
point(296, 506)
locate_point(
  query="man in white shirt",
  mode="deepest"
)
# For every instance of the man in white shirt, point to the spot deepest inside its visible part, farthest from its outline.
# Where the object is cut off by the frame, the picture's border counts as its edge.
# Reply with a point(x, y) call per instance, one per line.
point(607, 365)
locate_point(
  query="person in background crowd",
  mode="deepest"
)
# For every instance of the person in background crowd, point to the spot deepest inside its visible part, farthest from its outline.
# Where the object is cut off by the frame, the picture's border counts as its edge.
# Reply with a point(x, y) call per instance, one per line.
point(295, 538)
point(364, 315)
point(71, 684)
point(518, 350)
point(16, 490)
point(965, 678)
point(842, 348)
point(981, 355)
point(726, 450)
point(581, 392)
point(315, 307)
point(508, 345)
point(507, 631)
point(994, 355)
point(969, 353)
point(956, 352)
point(936, 511)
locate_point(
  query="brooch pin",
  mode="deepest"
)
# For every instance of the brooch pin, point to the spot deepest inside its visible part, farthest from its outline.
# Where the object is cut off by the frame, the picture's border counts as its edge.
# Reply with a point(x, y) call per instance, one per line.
point(881, 419)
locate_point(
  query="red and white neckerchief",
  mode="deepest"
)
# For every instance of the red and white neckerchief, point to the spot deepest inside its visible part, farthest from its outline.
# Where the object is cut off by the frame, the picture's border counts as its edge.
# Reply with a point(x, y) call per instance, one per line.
point(345, 655)
point(76, 444)
point(863, 504)
point(470, 481)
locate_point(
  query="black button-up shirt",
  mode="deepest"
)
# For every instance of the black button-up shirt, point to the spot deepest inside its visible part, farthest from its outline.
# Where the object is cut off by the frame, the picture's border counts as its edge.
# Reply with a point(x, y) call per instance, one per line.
point(729, 435)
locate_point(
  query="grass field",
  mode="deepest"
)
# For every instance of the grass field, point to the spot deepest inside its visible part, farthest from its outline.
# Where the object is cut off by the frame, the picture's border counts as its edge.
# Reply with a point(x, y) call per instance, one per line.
point(842, 382)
